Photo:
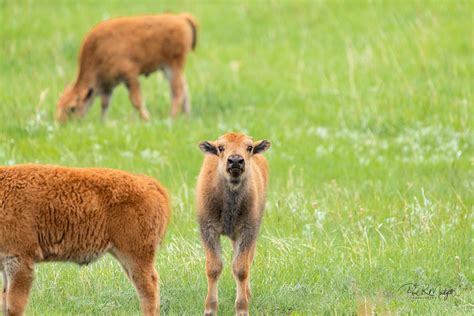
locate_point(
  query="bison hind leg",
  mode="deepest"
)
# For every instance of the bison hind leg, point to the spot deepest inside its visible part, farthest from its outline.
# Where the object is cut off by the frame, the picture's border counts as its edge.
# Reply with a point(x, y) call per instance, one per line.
point(141, 271)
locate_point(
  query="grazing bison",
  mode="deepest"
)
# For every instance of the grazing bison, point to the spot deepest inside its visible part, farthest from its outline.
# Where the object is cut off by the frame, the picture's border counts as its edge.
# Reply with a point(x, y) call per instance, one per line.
point(230, 201)
point(50, 213)
point(121, 49)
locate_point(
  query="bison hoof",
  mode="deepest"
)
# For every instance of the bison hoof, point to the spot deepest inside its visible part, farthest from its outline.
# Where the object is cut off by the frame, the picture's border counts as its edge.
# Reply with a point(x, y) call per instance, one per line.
point(145, 115)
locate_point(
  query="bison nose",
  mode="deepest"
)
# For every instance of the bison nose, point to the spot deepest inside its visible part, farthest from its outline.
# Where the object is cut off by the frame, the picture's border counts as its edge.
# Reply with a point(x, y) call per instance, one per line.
point(236, 161)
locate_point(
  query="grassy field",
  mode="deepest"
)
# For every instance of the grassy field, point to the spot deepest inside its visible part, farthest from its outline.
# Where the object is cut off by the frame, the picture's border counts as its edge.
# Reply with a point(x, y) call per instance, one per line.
point(369, 108)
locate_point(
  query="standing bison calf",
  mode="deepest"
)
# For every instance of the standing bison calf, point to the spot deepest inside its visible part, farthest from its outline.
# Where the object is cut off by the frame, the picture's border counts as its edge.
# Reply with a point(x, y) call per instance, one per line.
point(52, 213)
point(121, 49)
point(230, 201)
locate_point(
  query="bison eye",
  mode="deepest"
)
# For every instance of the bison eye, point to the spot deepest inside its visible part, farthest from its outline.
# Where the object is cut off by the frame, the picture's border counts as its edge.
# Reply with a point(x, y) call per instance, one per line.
point(249, 149)
point(221, 148)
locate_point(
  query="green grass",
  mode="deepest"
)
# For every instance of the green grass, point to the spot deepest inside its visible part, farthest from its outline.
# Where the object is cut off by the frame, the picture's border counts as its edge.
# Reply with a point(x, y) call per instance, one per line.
point(369, 108)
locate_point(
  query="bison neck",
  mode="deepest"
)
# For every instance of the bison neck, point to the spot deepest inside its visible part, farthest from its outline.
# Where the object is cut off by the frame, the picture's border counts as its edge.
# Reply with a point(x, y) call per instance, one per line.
point(234, 206)
point(85, 78)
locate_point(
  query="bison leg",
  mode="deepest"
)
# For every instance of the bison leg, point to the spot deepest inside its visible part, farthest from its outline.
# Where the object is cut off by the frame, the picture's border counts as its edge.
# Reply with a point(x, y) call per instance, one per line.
point(252, 255)
point(187, 98)
point(213, 268)
point(145, 279)
point(121, 260)
point(4, 292)
point(244, 249)
point(133, 86)
point(141, 271)
point(179, 93)
point(19, 276)
point(105, 99)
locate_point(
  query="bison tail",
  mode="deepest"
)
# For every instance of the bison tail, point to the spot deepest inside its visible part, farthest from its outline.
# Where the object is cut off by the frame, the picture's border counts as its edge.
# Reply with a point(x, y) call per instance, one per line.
point(194, 26)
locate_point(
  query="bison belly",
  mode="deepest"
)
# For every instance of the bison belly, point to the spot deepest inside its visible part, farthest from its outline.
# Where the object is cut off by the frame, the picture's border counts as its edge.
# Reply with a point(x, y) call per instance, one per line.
point(77, 235)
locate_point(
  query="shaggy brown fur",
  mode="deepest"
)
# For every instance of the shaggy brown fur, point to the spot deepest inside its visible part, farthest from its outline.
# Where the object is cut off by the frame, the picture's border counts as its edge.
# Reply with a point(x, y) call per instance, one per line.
point(121, 49)
point(230, 201)
point(50, 213)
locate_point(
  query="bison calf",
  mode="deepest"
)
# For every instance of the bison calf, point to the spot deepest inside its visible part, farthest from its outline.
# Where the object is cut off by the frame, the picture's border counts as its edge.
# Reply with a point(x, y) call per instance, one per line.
point(121, 49)
point(50, 213)
point(230, 201)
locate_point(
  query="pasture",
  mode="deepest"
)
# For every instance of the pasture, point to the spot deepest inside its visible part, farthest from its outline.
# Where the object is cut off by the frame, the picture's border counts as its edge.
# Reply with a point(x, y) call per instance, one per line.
point(369, 110)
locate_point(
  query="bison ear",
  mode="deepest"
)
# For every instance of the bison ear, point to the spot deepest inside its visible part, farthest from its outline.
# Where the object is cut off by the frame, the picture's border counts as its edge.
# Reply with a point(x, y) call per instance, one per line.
point(261, 146)
point(208, 148)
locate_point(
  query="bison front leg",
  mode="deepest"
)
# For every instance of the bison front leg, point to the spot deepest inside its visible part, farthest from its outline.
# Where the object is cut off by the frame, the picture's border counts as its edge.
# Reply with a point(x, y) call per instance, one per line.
point(212, 247)
point(105, 102)
point(4, 292)
point(244, 249)
point(133, 86)
point(19, 278)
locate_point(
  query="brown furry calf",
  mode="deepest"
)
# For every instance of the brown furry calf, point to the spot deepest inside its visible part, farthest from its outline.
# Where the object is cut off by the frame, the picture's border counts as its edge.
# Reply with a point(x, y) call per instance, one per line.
point(230, 201)
point(121, 49)
point(50, 213)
